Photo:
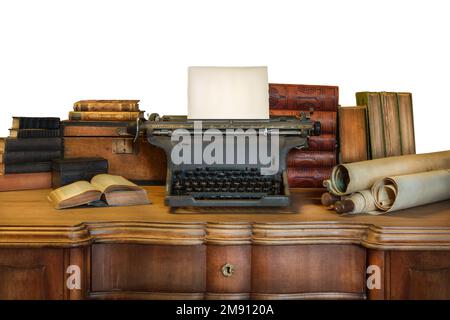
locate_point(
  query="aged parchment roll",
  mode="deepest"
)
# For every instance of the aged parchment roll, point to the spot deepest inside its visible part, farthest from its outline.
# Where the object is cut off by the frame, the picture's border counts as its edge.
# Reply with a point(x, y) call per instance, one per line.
point(357, 176)
point(358, 202)
point(411, 190)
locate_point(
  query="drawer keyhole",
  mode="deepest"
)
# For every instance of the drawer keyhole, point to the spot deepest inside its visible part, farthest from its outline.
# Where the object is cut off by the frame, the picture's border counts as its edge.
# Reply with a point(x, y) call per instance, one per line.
point(227, 270)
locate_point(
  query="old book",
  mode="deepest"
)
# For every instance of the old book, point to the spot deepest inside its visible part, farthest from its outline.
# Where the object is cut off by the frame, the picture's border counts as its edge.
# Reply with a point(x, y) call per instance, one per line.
point(35, 123)
point(301, 158)
point(327, 119)
point(114, 190)
point(106, 105)
point(38, 144)
point(34, 133)
point(324, 142)
point(67, 171)
point(405, 111)
point(353, 134)
point(303, 97)
point(375, 122)
point(391, 124)
point(25, 181)
point(27, 167)
point(15, 157)
point(105, 116)
point(308, 177)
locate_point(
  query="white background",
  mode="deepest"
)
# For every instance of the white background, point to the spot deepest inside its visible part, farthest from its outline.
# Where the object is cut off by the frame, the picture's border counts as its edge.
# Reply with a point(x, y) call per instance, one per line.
point(53, 52)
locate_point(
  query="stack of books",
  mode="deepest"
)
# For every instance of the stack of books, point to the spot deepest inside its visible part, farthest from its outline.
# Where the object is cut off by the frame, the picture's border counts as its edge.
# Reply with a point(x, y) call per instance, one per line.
point(309, 167)
point(106, 110)
point(26, 155)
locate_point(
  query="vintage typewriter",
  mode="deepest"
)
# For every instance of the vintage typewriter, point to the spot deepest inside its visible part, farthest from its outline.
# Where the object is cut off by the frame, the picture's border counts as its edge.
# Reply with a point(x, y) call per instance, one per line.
point(231, 174)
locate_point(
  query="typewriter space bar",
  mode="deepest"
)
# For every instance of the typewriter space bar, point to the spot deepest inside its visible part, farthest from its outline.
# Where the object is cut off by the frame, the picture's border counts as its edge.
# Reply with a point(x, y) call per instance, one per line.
point(227, 195)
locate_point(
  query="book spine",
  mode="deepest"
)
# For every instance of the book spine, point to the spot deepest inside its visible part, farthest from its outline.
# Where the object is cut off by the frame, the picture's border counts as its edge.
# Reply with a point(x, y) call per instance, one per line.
point(353, 134)
point(29, 167)
point(35, 123)
point(324, 142)
point(300, 158)
point(104, 116)
point(405, 110)
point(303, 97)
point(37, 133)
point(37, 144)
point(25, 181)
point(375, 122)
point(106, 107)
point(327, 119)
point(11, 158)
point(391, 124)
point(308, 177)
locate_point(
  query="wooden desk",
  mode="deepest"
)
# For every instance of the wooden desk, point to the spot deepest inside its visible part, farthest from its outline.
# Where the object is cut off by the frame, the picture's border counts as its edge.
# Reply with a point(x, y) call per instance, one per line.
point(147, 252)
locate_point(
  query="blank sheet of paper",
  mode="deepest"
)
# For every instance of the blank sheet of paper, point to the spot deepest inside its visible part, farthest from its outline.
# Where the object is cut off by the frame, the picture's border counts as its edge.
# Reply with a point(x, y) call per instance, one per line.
point(228, 93)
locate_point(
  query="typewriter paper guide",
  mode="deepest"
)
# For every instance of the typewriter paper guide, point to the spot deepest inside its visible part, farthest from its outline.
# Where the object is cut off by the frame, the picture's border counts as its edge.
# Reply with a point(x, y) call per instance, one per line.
point(228, 93)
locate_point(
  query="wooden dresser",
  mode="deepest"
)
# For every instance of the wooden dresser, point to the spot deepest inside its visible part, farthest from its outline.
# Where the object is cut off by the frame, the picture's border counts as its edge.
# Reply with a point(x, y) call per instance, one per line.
point(147, 252)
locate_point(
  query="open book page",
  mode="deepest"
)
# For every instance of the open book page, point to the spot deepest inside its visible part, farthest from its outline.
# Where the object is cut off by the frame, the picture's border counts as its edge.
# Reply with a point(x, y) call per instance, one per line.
point(74, 194)
point(108, 182)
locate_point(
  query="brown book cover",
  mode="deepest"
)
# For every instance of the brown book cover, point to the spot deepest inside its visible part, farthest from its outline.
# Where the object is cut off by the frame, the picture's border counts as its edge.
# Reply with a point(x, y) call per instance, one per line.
point(25, 181)
point(308, 177)
point(327, 119)
point(106, 105)
point(300, 158)
point(375, 122)
point(353, 134)
point(303, 97)
point(405, 110)
point(105, 116)
point(391, 124)
point(324, 142)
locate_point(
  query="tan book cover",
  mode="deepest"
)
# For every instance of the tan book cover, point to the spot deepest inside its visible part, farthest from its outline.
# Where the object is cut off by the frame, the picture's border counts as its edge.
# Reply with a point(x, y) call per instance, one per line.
point(114, 190)
point(25, 181)
point(391, 124)
point(106, 105)
point(405, 111)
point(105, 116)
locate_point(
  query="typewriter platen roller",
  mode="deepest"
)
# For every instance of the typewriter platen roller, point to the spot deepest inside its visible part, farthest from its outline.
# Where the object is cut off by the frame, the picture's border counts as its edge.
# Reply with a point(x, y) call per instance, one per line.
point(226, 162)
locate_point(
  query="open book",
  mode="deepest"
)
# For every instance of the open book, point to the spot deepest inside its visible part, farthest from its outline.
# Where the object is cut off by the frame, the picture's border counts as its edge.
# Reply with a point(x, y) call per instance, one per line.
point(114, 190)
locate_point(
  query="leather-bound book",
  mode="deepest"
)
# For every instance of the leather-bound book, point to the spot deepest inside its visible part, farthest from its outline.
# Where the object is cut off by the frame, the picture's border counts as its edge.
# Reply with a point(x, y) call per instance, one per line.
point(27, 167)
point(106, 105)
point(308, 177)
point(66, 171)
point(105, 116)
point(303, 97)
point(301, 158)
point(327, 119)
point(391, 124)
point(35, 123)
point(405, 110)
point(375, 122)
point(324, 142)
point(34, 133)
point(353, 134)
point(25, 181)
point(38, 144)
point(16, 157)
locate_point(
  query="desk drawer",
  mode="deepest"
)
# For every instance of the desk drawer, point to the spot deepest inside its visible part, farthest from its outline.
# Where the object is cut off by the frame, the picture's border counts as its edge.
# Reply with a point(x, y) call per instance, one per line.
point(158, 269)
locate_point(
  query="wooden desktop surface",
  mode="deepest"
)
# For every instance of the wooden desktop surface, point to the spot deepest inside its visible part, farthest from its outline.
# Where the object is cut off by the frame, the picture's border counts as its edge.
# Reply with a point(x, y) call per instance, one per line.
point(27, 217)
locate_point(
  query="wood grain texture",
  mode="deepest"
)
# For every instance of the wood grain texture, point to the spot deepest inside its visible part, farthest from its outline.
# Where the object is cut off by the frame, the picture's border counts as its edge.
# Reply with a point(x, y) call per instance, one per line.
point(391, 124)
point(353, 134)
point(405, 111)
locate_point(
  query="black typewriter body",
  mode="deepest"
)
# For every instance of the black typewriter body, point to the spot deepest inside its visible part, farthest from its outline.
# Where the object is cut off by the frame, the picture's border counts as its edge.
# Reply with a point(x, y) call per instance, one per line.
point(238, 177)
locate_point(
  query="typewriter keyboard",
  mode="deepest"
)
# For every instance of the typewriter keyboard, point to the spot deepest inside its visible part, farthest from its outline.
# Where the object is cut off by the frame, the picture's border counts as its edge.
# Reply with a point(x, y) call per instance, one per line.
point(207, 183)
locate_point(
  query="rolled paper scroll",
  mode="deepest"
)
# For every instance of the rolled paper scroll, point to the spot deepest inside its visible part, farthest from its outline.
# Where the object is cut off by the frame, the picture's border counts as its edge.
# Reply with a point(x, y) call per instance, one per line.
point(358, 202)
point(357, 176)
point(411, 190)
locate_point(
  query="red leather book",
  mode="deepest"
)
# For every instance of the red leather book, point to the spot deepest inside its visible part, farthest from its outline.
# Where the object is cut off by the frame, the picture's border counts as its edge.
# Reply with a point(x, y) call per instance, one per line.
point(299, 158)
point(25, 181)
point(303, 97)
point(308, 177)
point(324, 142)
point(328, 119)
